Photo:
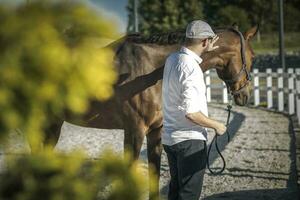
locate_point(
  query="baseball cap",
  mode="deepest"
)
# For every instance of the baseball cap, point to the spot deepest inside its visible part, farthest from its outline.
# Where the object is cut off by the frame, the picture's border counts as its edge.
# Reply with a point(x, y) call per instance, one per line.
point(199, 29)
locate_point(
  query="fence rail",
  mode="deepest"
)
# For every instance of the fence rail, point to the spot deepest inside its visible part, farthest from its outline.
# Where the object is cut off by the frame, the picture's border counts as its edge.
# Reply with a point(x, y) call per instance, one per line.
point(277, 90)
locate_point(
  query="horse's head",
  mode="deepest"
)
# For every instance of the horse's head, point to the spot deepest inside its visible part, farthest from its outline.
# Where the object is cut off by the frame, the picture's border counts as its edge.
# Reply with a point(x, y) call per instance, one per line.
point(236, 57)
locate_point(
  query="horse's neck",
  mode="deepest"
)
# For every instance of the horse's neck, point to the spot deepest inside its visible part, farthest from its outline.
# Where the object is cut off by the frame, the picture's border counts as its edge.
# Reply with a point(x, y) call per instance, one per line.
point(210, 60)
point(158, 55)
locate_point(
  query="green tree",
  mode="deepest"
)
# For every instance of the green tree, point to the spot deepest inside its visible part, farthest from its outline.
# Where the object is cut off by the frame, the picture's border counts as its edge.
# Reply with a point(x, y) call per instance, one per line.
point(167, 15)
point(164, 15)
point(292, 12)
point(263, 12)
point(211, 9)
point(233, 14)
point(225, 13)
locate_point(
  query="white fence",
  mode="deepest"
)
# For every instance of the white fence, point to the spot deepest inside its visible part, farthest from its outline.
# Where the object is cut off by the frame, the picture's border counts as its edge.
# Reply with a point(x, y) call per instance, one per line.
point(273, 89)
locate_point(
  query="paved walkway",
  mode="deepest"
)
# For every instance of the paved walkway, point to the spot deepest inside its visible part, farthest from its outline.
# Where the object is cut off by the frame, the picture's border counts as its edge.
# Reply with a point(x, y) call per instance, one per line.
point(260, 156)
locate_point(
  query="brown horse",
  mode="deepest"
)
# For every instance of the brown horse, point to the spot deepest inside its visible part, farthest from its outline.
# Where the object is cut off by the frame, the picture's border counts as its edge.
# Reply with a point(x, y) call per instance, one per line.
point(139, 61)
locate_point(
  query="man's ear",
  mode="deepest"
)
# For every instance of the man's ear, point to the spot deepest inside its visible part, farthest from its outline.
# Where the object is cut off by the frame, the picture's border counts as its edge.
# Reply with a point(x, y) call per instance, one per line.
point(204, 42)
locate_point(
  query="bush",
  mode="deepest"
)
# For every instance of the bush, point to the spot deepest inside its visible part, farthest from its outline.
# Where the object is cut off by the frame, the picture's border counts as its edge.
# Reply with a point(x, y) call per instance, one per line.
point(51, 176)
point(50, 62)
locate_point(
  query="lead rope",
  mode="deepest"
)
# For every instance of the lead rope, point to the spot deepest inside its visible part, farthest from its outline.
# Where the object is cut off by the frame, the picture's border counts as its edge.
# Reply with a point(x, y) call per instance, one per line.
point(215, 140)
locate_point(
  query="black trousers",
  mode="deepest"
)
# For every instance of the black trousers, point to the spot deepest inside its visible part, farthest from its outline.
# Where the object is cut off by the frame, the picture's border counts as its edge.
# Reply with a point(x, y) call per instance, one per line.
point(187, 162)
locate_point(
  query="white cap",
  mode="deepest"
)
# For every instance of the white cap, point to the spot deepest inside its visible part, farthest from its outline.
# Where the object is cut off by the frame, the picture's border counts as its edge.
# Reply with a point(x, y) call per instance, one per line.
point(199, 29)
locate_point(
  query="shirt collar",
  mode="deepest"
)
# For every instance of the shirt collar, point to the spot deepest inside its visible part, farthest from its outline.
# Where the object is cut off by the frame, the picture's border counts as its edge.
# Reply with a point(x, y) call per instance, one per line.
point(191, 53)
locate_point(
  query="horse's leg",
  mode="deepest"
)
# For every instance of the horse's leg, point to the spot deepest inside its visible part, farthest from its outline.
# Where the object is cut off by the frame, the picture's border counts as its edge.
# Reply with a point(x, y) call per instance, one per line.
point(154, 149)
point(52, 133)
point(133, 141)
point(128, 141)
point(138, 142)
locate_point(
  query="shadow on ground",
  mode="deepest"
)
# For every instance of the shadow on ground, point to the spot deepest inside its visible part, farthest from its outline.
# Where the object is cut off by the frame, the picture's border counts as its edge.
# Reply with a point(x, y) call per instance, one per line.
point(272, 194)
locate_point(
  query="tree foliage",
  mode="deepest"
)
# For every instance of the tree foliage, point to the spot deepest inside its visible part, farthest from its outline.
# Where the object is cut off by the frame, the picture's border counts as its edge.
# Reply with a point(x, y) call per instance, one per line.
point(52, 176)
point(234, 14)
point(160, 16)
point(165, 15)
point(49, 62)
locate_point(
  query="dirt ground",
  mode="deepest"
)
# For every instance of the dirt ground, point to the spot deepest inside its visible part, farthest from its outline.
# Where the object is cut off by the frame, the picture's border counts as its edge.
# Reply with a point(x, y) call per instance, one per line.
point(260, 157)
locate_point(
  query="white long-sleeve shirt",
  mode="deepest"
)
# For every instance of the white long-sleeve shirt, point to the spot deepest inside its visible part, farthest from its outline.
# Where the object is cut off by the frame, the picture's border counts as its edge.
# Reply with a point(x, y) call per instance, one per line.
point(183, 91)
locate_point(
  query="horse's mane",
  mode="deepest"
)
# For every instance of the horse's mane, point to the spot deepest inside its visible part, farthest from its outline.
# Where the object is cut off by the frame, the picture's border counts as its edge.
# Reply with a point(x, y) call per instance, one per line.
point(170, 38)
point(167, 38)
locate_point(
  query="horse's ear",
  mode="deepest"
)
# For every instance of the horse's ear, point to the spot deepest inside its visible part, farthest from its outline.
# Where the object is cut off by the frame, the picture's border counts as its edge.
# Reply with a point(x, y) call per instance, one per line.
point(251, 32)
point(235, 26)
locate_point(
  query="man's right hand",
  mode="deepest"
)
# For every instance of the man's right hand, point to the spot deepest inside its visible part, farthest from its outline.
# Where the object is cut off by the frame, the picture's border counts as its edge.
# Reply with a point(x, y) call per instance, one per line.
point(220, 129)
point(211, 43)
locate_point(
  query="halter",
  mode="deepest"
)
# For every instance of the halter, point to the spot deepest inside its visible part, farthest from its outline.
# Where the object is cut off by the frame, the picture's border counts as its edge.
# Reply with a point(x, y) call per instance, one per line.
point(229, 106)
point(243, 68)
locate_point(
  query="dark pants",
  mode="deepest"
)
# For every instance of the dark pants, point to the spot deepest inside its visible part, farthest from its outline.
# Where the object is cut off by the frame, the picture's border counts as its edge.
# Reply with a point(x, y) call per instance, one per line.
point(187, 162)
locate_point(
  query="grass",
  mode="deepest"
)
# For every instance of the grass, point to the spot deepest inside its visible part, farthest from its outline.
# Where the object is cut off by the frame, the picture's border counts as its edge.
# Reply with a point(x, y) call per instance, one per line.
point(269, 43)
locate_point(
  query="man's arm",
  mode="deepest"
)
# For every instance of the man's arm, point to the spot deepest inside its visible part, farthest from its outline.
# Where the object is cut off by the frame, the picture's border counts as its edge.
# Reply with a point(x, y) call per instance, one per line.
point(194, 96)
point(200, 119)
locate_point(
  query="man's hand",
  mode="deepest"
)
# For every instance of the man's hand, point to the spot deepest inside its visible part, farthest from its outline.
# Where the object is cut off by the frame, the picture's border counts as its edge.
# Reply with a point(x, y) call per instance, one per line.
point(220, 129)
point(211, 43)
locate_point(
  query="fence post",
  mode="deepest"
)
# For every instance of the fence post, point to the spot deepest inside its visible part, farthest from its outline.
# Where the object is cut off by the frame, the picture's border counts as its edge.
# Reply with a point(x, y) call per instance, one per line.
point(269, 88)
point(256, 87)
point(225, 93)
point(280, 89)
point(298, 93)
point(208, 87)
point(291, 91)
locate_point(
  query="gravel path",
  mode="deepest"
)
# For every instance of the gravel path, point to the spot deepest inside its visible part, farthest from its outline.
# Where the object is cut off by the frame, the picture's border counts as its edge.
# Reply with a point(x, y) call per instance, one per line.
point(260, 155)
point(259, 158)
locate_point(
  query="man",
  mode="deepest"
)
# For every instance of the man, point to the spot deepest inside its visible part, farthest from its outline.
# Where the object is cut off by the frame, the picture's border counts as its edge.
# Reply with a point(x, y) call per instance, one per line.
point(185, 115)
